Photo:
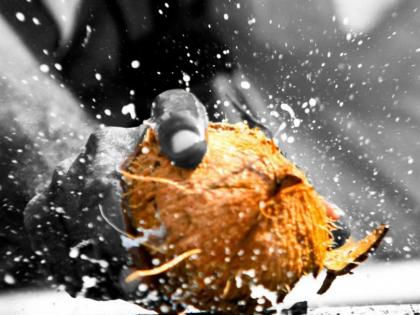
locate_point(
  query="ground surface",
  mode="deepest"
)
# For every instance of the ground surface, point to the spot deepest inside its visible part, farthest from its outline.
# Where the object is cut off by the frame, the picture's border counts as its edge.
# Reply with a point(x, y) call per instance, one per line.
point(387, 288)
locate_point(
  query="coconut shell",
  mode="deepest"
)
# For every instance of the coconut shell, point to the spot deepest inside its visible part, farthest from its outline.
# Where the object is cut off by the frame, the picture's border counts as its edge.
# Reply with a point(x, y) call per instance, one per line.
point(245, 218)
point(344, 259)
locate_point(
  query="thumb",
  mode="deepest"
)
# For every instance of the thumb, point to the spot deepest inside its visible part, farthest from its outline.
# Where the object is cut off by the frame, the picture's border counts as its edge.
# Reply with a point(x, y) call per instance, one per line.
point(181, 123)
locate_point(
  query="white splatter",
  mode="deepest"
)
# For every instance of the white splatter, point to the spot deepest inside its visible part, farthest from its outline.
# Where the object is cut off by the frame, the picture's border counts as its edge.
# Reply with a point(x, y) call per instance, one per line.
point(20, 16)
point(252, 21)
point(129, 109)
point(287, 108)
point(147, 234)
point(87, 36)
point(259, 291)
point(75, 250)
point(245, 85)
point(36, 21)
point(102, 263)
point(186, 78)
point(44, 68)
point(9, 279)
point(135, 64)
point(89, 282)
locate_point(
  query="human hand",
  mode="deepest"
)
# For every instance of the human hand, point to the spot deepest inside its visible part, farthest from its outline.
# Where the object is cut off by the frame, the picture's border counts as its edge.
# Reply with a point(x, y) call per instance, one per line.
point(77, 224)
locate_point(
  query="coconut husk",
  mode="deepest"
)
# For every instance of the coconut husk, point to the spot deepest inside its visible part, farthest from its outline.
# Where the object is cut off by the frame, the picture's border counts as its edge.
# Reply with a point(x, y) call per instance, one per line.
point(245, 218)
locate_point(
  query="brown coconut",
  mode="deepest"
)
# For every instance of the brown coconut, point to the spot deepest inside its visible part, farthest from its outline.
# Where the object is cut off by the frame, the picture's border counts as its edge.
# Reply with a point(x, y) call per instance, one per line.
point(246, 217)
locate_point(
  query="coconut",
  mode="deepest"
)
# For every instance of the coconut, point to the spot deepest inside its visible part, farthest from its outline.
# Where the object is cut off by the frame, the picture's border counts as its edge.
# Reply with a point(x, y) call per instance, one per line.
point(245, 218)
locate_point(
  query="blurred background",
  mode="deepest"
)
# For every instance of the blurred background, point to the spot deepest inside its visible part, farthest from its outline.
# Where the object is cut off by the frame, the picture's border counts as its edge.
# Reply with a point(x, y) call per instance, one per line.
point(336, 81)
point(349, 73)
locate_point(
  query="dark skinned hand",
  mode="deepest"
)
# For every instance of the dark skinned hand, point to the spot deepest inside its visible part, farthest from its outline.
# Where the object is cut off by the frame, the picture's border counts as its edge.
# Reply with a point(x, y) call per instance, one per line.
point(67, 222)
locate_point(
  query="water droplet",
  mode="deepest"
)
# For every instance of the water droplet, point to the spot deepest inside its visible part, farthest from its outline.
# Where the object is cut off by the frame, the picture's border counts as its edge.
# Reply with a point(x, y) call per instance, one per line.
point(143, 287)
point(129, 109)
point(312, 102)
point(165, 309)
point(251, 21)
point(388, 240)
point(207, 280)
point(44, 68)
point(186, 77)
point(245, 85)
point(135, 64)
point(346, 21)
point(9, 279)
point(20, 16)
point(74, 252)
point(89, 282)
point(290, 139)
point(145, 150)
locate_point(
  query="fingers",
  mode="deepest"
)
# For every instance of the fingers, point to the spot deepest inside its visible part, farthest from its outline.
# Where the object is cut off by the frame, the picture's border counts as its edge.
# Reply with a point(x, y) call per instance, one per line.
point(65, 223)
point(333, 211)
point(44, 222)
point(181, 123)
point(342, 231)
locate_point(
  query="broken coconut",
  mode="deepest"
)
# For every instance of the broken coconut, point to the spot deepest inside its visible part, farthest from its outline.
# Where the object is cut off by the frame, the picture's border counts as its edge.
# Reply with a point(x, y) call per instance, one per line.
point(246, 217)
